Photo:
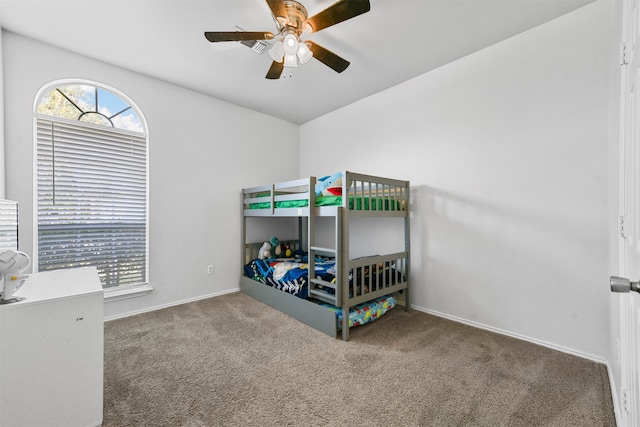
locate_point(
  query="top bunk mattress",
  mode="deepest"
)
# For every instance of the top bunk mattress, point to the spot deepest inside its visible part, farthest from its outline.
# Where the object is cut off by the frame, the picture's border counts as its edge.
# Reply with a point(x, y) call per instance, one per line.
point(355, 203)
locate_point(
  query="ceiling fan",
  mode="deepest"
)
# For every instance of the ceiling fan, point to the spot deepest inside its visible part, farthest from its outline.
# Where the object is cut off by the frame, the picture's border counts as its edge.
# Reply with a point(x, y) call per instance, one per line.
point(291, 21)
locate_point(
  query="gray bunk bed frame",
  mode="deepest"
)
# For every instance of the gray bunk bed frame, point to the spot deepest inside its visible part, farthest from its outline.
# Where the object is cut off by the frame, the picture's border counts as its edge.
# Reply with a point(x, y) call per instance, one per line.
point(371, 191)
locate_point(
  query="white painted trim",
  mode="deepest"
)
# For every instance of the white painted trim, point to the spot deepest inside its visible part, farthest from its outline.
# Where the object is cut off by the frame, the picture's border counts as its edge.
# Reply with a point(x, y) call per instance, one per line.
point(125, 292)
point(614, 395)
point(159, 307)
point(514, 335)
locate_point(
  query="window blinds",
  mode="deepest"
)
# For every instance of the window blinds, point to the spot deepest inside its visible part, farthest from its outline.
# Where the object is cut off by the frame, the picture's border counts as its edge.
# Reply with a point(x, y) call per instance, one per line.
point(8, 224)
point(92, 200)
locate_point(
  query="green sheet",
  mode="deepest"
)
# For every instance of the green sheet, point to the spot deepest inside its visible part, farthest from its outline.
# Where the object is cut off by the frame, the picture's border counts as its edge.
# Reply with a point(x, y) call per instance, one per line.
point(379, 204)
point(320, 201)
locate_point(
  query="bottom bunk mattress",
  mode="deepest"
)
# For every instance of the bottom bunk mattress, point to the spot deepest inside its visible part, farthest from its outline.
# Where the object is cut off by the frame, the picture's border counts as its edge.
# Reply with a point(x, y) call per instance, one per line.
point(288, 275)
point(365, 312)
point(291, 275)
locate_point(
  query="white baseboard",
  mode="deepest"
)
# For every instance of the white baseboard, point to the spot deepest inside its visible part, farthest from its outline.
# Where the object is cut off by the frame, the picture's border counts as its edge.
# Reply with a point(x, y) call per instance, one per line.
point(159, 307)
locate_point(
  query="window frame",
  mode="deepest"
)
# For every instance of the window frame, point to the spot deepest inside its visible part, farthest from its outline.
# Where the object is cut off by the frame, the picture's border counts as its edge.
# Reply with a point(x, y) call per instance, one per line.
point(113, 293)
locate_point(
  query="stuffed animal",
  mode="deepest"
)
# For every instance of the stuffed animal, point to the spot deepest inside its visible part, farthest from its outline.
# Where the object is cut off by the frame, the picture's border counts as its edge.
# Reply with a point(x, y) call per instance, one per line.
point(329, 185)
point(265, 251)
point(275, 245)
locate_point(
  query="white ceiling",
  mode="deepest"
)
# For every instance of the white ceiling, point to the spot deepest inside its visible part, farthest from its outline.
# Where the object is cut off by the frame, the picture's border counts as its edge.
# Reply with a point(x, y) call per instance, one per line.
point(395, 41)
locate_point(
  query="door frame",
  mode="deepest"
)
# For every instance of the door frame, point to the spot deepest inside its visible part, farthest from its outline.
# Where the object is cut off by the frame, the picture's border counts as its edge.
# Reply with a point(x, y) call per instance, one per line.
point(628, 235)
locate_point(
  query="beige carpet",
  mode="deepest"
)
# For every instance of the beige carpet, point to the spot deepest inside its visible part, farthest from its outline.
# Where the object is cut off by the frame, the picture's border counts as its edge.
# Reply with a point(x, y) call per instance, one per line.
point(232, 361)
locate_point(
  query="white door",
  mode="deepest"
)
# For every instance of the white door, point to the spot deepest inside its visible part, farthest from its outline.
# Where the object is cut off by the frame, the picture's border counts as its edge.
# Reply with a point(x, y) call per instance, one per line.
point(629, 247)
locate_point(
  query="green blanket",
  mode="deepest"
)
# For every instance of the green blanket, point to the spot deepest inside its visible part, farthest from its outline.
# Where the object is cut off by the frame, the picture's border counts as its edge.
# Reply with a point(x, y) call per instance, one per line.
point(376, 203)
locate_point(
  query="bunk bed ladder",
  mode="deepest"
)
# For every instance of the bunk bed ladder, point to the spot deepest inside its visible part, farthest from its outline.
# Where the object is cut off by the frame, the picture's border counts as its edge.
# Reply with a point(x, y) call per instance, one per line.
point(314, 250)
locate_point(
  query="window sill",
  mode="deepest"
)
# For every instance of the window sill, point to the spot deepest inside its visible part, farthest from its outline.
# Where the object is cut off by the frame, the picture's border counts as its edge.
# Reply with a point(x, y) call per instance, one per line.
point(125, 292)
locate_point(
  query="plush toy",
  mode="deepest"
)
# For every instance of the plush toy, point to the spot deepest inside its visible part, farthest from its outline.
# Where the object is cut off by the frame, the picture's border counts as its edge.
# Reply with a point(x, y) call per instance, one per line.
point(287, 251)
point(329, 185)
point(275, 245)
point(265, 251)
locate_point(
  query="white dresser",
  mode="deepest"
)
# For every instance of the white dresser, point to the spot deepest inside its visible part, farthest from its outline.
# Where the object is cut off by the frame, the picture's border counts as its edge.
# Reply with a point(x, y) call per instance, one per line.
point(51, 351)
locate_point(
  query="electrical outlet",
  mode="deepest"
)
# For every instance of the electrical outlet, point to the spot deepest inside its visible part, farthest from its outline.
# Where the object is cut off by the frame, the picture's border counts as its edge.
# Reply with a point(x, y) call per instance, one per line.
point(210, 269)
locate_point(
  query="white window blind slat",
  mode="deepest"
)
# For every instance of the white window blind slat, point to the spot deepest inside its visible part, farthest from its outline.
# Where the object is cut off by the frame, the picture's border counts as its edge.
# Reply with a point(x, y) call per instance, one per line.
point(92, 200)
point(8, 224)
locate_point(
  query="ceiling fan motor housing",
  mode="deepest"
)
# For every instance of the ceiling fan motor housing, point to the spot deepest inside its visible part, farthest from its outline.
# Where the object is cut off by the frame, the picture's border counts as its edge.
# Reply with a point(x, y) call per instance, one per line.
point(296, 16)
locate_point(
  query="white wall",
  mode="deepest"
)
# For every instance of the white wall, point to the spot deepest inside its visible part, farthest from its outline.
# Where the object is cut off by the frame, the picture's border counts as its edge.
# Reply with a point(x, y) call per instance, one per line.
point(2, 162)
point(202, 152)
point(506, 151)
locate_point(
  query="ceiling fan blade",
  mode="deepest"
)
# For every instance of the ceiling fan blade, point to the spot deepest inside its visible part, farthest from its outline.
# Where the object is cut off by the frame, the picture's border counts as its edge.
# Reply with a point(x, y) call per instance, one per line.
point(275, 70)
point(336, 13)
point(278, 10)
point(327, 57)
point(236, 36)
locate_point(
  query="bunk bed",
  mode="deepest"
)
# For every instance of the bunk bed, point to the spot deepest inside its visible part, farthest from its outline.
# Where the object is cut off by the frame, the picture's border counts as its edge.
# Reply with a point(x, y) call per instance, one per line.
point(320, 284)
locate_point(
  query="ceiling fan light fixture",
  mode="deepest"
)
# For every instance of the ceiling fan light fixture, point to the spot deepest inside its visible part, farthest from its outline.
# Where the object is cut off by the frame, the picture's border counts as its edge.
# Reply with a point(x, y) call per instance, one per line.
point(290, 60)
point(304, 53)
point(290, 44)
point(277, 51)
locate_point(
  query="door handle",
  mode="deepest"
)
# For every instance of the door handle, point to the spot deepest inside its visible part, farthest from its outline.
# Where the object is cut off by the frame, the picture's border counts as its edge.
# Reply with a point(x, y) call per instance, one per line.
point(620, 284)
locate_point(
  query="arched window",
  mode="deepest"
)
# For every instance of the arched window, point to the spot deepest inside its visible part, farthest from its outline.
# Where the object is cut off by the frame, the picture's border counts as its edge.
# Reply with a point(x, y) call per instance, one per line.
point(92, 202)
